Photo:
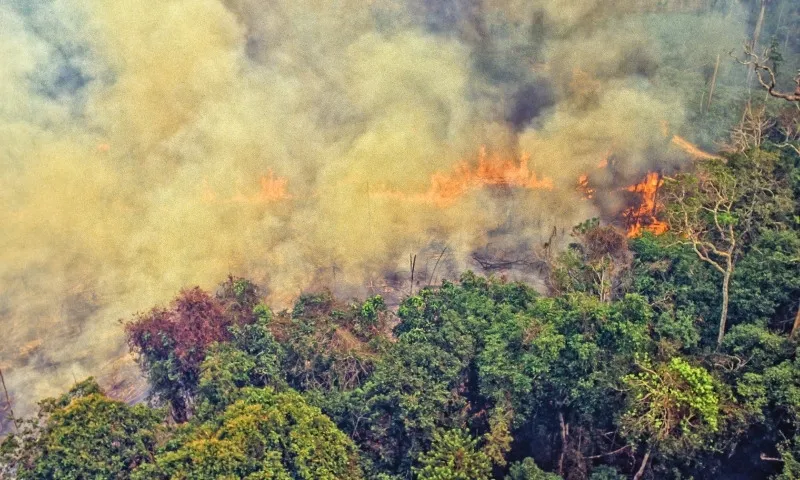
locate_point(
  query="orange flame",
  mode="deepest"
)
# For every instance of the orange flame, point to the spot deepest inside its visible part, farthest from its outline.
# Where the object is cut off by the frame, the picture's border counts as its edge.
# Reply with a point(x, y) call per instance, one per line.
point(272, 189)
point(446, 188)
point(643, 218)
point(584, 187)
point(692, 149)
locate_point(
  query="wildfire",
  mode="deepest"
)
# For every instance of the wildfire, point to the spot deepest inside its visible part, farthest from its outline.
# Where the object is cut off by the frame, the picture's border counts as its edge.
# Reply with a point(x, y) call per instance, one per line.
point(692, 149)
point(642, 218)
point(584, 187)
point(446, 188)
point(273, 189)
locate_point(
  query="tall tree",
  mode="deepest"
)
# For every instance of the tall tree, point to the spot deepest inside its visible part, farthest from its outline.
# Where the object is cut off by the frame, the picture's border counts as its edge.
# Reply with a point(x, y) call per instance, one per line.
point(700, 210)
point(721, 206)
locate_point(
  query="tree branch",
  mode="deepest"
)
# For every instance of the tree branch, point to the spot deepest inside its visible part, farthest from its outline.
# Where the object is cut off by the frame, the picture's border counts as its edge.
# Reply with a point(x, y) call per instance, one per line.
point(761, 67)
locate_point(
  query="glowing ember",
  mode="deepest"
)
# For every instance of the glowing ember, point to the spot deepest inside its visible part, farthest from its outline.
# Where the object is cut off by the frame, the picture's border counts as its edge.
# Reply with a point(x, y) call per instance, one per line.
point(446, 188)
point(692, 149)
point(584, 187)
point(643, 217)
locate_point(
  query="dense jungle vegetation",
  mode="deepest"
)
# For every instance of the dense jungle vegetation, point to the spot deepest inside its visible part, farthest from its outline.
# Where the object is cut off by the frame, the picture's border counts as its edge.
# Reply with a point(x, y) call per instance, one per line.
point(670, 356)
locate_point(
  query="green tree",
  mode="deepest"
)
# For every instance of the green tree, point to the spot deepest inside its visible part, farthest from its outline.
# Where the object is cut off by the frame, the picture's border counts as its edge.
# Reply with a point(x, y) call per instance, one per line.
point(81, 435)
point(251, 358)
point(528, 470)
point(719, 208)
point(673, 408)
point(262, 435)
point(453, 455)
point(330, 345)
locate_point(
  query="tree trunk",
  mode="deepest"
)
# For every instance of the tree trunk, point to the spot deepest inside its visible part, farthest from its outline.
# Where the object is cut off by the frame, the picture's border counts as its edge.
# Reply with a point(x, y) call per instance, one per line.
point(759, 24)
point(796, 325)
point(711, 89)
point(643, 466)
point(723, 318)
point(756, 36)
point(8, 402)
point(564, 435)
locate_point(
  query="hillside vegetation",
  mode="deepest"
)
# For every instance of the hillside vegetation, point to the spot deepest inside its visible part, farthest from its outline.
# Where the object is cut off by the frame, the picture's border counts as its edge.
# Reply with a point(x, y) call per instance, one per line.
point(672, 357)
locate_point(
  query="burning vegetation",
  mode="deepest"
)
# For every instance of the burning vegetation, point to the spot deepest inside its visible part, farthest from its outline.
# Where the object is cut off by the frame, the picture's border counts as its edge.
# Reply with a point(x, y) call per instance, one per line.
point(644, 216)
point(375, 152)
point(150, 146)
point(491, 171)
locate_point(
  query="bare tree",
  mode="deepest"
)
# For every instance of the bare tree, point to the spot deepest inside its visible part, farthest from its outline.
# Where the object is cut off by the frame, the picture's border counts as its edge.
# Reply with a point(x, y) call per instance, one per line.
point(765, 73)
point(788, 124)
point(8, 406)
point(751, 132)
point(701, 213)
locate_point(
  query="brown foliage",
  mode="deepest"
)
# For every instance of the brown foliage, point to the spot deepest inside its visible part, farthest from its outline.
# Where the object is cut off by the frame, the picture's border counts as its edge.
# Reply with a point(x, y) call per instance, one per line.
point(606, 241)
point(184, 331)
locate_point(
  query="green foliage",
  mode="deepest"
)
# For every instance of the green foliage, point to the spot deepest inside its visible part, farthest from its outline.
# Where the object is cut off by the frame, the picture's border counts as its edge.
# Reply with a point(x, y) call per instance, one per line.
point(432, 377)
point(371, 309)
point(619, 359)
point(263, 435)
point(674, 406)
point(528, 470)
point(604, 472)
point(330, 345)
point(767, 285)
point(682, 290)
point(453, 455)
point(83, 434)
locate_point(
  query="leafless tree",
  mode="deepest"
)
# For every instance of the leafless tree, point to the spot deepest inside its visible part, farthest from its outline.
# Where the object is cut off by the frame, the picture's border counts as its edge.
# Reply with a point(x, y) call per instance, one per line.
point(701, 213)
point(766, 74)
point(788, 124)
point(751, 132)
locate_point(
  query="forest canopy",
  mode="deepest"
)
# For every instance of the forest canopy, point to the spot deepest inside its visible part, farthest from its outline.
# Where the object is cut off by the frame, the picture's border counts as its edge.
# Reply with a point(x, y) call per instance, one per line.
point(657, 338)
point(655, 356)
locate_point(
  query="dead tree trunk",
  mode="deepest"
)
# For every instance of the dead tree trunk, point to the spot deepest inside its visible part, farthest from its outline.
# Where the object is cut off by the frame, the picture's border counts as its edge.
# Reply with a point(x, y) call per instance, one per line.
point(8, 401)
point(643, 466)
point(726, 281)
point(564, 442)
point(713, 85)
point(754, 44)
point(412, 264)
point(796, 325)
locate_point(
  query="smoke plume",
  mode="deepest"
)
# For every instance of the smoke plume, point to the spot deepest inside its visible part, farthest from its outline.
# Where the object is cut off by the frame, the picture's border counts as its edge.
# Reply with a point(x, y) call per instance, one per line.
point(149, 145)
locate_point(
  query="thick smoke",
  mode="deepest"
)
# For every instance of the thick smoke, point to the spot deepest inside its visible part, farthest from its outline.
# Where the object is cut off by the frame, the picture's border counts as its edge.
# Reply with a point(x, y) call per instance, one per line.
point(136, 135)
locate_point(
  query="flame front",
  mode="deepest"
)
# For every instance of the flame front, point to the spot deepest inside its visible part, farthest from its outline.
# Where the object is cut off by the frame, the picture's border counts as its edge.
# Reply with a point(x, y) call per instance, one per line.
point(692, 150)
point(273, 189)
point(584, 187)
point(448, 187)
point(643, 218)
